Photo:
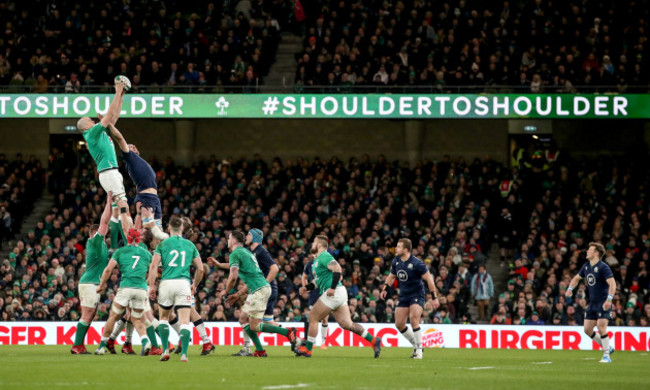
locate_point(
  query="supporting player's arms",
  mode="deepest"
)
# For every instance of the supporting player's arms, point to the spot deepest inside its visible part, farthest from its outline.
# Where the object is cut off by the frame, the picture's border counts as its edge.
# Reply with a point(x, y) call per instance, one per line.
point(114, 109)
point(106, 216)
point(105, 275)
point(214, 262)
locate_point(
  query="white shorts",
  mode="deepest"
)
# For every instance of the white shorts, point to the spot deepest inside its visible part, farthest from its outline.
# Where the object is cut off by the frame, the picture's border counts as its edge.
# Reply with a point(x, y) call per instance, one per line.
point(112, 180)
point(339, 298)
point(255, 304)
point(175, 292)
point(131, 297)
point(88, 296)
point(147, 304)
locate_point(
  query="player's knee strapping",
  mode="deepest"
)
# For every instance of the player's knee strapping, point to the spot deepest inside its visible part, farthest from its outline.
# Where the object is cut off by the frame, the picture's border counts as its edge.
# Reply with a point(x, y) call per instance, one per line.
point(117, 310)
point(136, 314)
point(267, 319)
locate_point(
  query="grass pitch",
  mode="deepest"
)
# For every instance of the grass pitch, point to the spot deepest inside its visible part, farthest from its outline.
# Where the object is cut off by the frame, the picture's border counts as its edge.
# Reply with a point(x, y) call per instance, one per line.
point(53, 367)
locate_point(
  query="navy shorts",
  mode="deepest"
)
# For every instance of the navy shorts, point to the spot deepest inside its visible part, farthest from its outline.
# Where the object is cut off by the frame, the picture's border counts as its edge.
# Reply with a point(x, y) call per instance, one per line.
point(595, 312)
point(313, 296)
point(270, 305)
point(410, 300)
point(151, 201)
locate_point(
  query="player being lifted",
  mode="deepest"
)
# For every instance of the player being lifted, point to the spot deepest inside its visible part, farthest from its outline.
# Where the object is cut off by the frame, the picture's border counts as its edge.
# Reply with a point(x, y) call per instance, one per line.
point(410, 271)
point(333, 299)
point(177, 255)
point(101, 148)
point(133, 261)
point(269, 270)
point(601, 286)
point(96, 261)
point(243, 264)
point(306, 278)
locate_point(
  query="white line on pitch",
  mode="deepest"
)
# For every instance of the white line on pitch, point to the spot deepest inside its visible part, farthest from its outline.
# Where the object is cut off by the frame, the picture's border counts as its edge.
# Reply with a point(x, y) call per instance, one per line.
point(542, 362)
point(480, 368)
point(285, 386)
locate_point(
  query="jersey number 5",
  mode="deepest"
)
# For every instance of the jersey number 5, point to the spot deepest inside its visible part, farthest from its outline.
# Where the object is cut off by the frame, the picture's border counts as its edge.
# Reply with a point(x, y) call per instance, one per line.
point(173, 262)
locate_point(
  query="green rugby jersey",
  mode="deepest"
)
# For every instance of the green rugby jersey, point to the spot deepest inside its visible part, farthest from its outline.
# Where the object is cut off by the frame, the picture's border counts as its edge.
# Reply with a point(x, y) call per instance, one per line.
point(96, 259)
point(100, 146)
point(134, 264)
point(177, 254)
point(249, 270)
point(322, 274)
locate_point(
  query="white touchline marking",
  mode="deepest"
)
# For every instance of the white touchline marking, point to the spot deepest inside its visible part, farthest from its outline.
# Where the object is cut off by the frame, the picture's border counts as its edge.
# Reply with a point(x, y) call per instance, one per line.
point(542, 362)
point(589, 359)
point(480, 368)
point(285, 386)
point(644, 354)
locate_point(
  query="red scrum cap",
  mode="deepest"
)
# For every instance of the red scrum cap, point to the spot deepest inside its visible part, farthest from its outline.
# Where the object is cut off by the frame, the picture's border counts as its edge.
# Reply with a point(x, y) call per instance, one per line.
point(133, 236)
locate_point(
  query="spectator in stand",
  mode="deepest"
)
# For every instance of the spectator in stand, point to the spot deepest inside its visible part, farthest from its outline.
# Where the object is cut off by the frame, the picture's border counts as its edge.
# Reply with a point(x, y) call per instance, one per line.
point(482, 290)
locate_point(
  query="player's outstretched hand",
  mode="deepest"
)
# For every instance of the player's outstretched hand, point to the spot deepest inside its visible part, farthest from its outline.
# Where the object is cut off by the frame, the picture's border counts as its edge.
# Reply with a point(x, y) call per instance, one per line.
point(568, 293)
point(152, 293)
point(435, 303)
point(302, 290)
point(383, 294)
point(607, 305)
point(214, 262)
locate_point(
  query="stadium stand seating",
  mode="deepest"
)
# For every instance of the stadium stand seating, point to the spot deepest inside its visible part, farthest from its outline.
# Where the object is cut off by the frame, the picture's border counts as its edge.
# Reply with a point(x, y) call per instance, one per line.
point(456, 212)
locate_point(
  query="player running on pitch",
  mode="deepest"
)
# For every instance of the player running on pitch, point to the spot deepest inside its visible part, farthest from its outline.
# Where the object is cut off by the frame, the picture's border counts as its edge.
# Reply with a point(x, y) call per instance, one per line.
point(269, 270)
point(243, 264)
point(410, 271)
point(601, 286)
point(333, 299)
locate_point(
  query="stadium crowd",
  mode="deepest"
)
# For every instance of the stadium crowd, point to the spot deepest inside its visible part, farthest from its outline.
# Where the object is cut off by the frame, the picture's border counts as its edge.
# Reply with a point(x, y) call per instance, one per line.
point(73, 47)
point(533, 46)
point(541, 212)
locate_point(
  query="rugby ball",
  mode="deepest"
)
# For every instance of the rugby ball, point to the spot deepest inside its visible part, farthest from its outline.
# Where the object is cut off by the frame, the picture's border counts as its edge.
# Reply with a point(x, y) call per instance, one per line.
point(124, 80)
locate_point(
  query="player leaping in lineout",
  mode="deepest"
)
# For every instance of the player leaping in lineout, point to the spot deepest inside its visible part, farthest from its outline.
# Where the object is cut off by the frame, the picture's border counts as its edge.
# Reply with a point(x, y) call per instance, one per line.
point(144, 178)
point(101, 148)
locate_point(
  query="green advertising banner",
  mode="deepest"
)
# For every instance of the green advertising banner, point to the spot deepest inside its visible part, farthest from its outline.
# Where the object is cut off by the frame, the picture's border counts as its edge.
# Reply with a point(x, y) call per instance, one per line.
point(372, 106)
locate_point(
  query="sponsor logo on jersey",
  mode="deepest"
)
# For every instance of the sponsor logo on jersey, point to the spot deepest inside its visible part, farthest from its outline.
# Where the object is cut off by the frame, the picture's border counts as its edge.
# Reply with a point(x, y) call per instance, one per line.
point(596, 269)
point(410, 266)
point(591, 280)
point(433, 338)
point(402, 275)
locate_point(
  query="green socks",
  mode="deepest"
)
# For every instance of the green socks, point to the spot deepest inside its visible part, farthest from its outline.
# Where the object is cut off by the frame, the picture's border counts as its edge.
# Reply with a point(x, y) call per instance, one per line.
point(163, 331)
point(185, 338)
point(151, 334)
point(253, 336)
point(79, 337)
point(268, 328)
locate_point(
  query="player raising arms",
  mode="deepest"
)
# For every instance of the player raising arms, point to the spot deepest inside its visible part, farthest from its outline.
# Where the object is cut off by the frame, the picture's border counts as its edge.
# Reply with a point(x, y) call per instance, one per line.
point(177, 255)
point(410, 271)
point(601, 286)
point(269, 270)
point(96, 261)
point(101, 148)
point(133, 261)
point(334, 299)
point(243, 264)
